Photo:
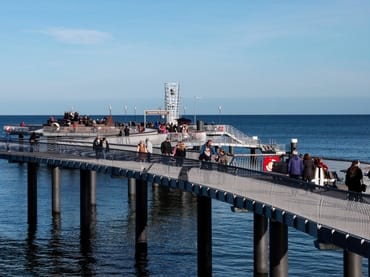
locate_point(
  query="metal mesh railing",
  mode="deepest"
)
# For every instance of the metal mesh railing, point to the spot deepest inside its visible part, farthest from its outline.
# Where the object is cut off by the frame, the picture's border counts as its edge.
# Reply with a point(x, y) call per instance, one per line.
point(339, 209)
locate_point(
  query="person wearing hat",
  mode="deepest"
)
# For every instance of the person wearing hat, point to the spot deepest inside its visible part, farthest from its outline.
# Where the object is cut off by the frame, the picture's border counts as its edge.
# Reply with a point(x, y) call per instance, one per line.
point(295, 166)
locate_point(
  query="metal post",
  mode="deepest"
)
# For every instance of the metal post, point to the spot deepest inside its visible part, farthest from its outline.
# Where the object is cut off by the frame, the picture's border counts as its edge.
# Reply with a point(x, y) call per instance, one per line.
point(278, 249)
point(141, 244)
point(293, 144)
point(204, 236)
point(32, 193)
point(55, 190)
point(352, 264)
point(260, 246)
point(231, 150)
point(253, 164)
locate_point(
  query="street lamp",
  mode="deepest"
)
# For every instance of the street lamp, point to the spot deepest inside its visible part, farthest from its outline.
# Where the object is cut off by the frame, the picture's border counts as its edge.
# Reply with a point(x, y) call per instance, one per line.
point(135, 112)
point(195, 108)
point(219, 113)
point(125, 108)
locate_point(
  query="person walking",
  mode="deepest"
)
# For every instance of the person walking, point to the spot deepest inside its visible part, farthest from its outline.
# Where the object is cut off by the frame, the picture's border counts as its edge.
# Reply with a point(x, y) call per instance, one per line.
point(105, 147)
point(179, 153)
point(149, 149)
point(97, 146)
point(295, 166)
point(166, 147)
point(166, 150)
point(33, 141)
point(354, 179)
point(142, 151)
point(308, 168)
point(207, 151)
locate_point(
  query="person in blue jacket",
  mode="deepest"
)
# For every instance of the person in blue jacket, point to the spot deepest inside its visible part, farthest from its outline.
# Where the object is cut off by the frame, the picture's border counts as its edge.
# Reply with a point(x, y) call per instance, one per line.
point(295, 166)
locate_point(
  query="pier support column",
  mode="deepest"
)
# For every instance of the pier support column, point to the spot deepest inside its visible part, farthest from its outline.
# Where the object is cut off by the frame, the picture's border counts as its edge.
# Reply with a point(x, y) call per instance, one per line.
point(55, 191)
point(87, 202)
point(32, 193)
point(204, 236)
point(141, 220)
point(260, 246)
point(352, 264)
point(131, 187)
point(278, 249)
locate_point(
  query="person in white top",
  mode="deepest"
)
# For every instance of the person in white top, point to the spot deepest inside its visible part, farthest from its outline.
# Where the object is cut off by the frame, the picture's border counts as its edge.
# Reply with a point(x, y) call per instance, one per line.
point(149, 148)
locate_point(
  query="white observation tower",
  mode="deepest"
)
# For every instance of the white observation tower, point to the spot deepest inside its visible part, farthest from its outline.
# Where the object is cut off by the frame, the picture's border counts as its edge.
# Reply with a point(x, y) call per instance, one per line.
point(172, 101)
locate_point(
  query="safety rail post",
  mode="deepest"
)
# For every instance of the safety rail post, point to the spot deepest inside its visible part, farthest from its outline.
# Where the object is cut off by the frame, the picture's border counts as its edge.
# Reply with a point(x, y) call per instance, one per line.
point(204, 236)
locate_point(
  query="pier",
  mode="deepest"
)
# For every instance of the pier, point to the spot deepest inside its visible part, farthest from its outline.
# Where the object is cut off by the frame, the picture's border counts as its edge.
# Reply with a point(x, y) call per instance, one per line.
point(276, 201)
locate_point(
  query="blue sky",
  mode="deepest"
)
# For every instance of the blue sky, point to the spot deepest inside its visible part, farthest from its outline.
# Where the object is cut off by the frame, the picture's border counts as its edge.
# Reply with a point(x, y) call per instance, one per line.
point(247, 57)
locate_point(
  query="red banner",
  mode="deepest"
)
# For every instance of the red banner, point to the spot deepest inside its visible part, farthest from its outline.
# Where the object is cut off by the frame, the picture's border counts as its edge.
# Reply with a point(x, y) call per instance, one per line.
point(268, 162)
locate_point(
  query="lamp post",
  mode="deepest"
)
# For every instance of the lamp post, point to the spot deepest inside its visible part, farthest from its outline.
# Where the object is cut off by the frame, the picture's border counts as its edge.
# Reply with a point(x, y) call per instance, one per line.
point(135, 113)
point(219, 114)
point(195, 108)
point(125, 108)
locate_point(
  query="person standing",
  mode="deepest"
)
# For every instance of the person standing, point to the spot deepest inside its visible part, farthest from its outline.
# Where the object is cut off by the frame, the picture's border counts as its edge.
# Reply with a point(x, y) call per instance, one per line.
point(97, 147)
point(149, 149)
point(320, 164)
point(33, 141)
point(105, 147)
point(354, 178)
point(166, 150)
point(180, 153)
point(295, 166)
point(207, 151)
point(308, 168)
point(166, 147)
point(142, 151)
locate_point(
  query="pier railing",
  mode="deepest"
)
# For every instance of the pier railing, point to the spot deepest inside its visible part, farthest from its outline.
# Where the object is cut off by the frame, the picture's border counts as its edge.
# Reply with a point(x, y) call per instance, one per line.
point(243, 165)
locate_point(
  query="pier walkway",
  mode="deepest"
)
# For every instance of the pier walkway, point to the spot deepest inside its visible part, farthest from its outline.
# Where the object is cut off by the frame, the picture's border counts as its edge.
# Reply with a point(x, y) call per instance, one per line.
point(325, 213)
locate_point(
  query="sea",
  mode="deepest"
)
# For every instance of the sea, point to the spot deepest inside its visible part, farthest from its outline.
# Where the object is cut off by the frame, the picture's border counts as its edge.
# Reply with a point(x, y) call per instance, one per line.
point(55, 248)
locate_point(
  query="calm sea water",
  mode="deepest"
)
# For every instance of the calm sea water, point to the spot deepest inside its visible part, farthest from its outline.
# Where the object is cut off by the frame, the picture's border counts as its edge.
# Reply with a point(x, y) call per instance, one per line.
point(55, 248)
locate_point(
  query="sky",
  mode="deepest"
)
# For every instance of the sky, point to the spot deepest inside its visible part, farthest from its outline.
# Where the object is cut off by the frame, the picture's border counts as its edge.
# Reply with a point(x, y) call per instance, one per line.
point(229, 57)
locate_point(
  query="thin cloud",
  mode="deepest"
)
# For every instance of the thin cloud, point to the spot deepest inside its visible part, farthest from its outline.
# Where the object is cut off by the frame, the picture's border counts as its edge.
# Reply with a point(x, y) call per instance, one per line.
point(77, 36)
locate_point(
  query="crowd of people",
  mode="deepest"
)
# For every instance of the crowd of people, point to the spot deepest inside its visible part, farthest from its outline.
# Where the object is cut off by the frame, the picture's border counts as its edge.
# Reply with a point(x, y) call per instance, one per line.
point(307, 167)
point(304, 168)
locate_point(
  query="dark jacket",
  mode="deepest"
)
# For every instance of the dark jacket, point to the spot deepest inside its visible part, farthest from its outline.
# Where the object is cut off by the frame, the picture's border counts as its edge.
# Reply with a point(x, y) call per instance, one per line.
point(354, 176)
point(166, 147)
point(308, 170)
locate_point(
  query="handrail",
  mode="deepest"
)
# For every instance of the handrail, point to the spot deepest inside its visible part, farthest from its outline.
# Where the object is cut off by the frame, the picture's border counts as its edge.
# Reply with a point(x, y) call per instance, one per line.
point(86, 151)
